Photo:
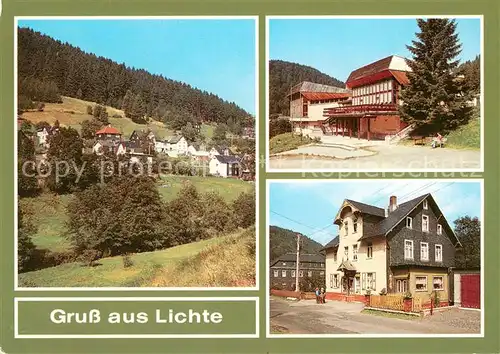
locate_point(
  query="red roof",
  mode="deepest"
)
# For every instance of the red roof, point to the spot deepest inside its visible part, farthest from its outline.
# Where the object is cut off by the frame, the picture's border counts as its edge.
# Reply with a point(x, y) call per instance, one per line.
point(108, 130)
point(370, 69)
point(316, 96)
point(374, 72)
point(400, 76)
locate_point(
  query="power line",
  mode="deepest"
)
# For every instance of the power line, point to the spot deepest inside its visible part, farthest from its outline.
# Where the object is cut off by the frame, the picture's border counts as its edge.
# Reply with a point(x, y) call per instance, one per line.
point(301, 223)
point(414, 192)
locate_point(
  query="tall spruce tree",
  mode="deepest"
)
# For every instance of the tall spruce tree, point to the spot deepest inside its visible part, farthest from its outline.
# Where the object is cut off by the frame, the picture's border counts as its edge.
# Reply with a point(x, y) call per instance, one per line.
point(435, 99)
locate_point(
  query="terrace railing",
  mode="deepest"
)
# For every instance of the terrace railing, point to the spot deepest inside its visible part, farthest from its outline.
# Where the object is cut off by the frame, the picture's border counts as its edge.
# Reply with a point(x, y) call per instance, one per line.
point(360, 109)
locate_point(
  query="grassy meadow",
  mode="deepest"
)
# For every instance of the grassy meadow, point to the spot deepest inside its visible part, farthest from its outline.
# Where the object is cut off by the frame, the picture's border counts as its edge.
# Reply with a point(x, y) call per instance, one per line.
point(287, 142)
point(49, 210)
point(194, 264)
point(72, 112)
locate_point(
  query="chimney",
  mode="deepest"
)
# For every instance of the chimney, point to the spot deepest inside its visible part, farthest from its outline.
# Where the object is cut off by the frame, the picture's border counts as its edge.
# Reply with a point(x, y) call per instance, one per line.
point(393, 203)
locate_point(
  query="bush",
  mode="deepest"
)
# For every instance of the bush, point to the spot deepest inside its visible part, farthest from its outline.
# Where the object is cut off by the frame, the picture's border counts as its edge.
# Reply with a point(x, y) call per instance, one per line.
point(127, 261)
point(40, 106)
point(89, 256)
point(408, 295)
point(286, 142)
point(279, 126)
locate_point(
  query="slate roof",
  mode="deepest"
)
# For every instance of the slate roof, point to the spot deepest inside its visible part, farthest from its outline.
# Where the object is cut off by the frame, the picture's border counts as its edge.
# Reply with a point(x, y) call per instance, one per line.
point(332, 244)
point(306, 86)
point(305, 257)
point(394, 217)
point(227, 159)
point(367, 208)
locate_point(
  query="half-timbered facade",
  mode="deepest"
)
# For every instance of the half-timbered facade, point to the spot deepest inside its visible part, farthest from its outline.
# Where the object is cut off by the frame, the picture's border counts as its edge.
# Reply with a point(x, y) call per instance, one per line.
point(375, 100)
point(406, 248)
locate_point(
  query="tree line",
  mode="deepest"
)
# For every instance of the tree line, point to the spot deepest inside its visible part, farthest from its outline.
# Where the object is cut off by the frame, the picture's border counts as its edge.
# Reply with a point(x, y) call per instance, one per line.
point(69, 71)
point(283, 75)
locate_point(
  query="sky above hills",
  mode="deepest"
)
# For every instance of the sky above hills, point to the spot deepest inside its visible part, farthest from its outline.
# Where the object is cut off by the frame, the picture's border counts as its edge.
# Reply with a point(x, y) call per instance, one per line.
point(217, 56)
point(338, 46)
point(309, 206)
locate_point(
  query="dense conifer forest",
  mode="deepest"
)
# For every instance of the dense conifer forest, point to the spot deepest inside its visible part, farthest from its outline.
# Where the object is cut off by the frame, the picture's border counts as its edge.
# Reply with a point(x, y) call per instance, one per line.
point(48, 68)
point(284, 74)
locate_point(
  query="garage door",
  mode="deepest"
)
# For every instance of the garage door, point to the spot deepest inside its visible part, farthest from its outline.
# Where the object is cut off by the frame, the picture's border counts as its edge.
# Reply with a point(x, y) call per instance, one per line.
point(470, 289)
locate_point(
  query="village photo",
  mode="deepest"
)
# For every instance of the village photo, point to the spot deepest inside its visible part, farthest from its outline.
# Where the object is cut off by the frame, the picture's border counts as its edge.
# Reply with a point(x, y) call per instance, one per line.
point(375, 257)
point(136, 152)
point(375, 94)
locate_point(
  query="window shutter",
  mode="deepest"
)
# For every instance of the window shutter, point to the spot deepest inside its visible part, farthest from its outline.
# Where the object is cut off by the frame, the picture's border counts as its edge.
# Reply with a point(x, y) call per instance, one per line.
point(374, 281)
point(363, 277)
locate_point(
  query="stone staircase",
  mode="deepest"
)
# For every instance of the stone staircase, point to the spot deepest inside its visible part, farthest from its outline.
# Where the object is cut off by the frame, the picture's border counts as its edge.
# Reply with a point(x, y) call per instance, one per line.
point(402, 134)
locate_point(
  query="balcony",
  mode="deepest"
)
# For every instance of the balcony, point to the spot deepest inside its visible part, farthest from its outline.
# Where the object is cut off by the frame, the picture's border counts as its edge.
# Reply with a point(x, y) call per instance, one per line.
point(361, 110)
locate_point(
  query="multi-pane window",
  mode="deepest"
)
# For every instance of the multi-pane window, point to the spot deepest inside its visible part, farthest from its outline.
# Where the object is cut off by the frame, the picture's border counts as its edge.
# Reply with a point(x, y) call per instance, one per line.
point(283, 273)
point(401, 285)
point(293, 274)
point(409, 222)
point(369, 251)
point(438, 253)
point(335, 280)
point(421, 283)
point(370, 281)
point(408, 249)
point(439, 229)
point(276, 273)
point(437, 283)
point(355, 225)
point(354, 252)
point(346, 252)
point(301, 273)
point(426, 205)
point(424, 251)
point(425, 223)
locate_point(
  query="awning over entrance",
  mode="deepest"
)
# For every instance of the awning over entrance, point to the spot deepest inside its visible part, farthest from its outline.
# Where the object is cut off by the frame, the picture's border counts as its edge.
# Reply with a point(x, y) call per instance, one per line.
point(346, 266)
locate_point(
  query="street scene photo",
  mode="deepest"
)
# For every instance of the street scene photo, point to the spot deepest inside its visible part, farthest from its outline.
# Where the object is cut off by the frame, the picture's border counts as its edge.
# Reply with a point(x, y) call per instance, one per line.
point(136, 153)
point(374, 94)
point(396, 257)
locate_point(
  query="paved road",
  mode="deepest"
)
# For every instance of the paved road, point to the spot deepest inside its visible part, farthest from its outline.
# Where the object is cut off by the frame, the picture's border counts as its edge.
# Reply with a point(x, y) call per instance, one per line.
point(335, 317)
point(383, 157)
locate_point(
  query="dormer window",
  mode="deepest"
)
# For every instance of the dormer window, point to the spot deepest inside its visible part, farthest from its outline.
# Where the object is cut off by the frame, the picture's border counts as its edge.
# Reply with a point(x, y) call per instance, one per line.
point(355, 225)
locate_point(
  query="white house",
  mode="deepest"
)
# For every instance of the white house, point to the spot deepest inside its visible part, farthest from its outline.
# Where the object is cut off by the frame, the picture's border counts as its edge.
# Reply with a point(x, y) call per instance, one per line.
point(224, 166)
point(176, 144)
point(43, 136)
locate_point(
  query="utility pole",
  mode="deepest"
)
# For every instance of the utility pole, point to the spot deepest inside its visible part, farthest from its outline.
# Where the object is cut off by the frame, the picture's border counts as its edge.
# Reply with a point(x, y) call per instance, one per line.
point(297, 264)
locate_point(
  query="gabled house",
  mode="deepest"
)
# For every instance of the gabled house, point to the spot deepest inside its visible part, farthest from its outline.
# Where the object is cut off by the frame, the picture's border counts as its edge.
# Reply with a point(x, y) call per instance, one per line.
point(138, 136)
point(220, 150)
point(375, 99)
point(108, 133)
point(174, 145)
point(407, 248)
point(282, 270)
point(224, 166)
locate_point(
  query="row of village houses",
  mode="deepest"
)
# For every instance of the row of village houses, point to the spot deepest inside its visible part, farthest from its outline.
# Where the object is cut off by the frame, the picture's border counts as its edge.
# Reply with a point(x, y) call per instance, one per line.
point(407, 247)
point(366, 108)
point(221, 160)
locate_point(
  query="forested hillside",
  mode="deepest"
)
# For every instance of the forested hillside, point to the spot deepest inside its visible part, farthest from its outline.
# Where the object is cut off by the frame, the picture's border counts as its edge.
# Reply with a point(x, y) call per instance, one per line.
point(48, 68)
point(283, 241)
point(283, 75)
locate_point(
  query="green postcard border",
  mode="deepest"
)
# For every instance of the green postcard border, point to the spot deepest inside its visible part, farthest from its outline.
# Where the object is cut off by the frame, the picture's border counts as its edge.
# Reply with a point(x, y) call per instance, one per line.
point(489, 344)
